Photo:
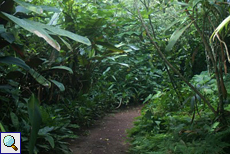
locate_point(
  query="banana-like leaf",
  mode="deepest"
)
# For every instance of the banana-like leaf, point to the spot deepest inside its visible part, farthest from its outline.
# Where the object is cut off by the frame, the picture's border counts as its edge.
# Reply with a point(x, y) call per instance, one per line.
point(175, 36)
point(59, 85)
point(61, 32)
point(36, 9)
point(39, 31)
point(16, 61)
point(40, 79)
point(35, 121)
point(65, 68)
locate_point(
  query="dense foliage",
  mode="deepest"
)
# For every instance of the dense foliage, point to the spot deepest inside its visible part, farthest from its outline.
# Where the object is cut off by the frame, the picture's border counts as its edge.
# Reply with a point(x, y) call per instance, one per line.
point(66, 63)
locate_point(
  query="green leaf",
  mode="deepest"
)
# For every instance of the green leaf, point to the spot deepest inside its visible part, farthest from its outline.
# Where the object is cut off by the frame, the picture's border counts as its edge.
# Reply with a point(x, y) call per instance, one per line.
point(50, 9)
point(36, 9)
point(106, 70)
point(35, 121)
point(40, 79)
point(124, 64)
point(16, 61)
point(148, 98)
point(39, 31)
point(50, 140)
point(110, 47)
point(59, 85)
point(67, 44)
point(181, 3)
point(172, 24)
point(65, 68)
point(2, 129)
point(9, 37)
point(214, 126)
point(175, 36)
point(2, 29)
point(45, 130)
point(61, 32)
point(219, 28)
point(14, 120)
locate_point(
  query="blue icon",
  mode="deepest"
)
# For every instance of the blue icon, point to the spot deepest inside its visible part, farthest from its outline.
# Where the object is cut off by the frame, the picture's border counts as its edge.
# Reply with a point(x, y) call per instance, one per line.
point(9, 141)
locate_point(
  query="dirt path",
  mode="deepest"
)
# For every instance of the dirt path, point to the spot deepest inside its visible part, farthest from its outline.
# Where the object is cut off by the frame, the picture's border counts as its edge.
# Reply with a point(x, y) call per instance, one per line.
point(107, 136)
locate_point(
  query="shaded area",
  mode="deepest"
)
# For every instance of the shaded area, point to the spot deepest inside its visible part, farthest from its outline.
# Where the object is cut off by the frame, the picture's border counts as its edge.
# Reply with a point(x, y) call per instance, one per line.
point(108, 136)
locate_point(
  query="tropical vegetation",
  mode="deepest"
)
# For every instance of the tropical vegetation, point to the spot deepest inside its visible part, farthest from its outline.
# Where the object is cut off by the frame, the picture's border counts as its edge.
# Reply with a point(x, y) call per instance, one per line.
point(65, 63)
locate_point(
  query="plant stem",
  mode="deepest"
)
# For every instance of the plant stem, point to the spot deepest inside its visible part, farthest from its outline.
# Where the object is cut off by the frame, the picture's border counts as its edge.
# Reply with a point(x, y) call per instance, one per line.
point(172, 67)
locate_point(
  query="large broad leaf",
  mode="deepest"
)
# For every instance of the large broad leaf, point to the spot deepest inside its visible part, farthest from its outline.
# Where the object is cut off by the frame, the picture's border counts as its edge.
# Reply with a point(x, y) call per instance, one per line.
point(34, 29)
point(61, 32)
point(35, 121)
point(175, 36)
point(59, 85)
point(40, 79)
point(16, 61)
point(65, 68)
point(36, 9)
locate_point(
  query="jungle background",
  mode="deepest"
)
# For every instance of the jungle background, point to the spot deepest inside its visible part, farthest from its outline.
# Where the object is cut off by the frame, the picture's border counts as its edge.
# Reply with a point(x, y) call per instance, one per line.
point(66, 63)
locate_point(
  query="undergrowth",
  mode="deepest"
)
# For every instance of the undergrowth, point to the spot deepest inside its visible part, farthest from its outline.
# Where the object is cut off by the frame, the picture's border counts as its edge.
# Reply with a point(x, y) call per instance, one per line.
point(188, 128)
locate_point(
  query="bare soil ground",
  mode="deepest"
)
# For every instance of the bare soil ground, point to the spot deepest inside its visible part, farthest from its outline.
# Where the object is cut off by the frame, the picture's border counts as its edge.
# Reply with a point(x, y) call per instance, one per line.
point(108, 135)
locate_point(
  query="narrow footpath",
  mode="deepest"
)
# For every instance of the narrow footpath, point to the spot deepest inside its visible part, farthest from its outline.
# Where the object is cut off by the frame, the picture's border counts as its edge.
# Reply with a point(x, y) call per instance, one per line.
point(108, 136)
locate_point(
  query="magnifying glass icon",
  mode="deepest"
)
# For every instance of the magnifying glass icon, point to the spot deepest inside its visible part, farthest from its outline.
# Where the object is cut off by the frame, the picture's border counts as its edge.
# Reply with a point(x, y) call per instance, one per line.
point(9, 141)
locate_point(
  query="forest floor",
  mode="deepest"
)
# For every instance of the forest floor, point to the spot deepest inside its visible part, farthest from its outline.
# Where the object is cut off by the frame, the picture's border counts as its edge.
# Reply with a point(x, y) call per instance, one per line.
point(108, 135)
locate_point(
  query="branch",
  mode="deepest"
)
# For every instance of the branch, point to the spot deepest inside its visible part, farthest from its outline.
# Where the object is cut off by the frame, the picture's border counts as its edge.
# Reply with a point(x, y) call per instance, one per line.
point(172, 67)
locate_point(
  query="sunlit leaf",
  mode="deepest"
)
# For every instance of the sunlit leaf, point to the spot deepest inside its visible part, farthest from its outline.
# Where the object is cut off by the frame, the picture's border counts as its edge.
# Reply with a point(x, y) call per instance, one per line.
point(61, 32)
point(50, 8)
point(148, 98)
point(219, 28)
point(39, 78)
point(39, 31)
point(123, 64)
point(28, 6)
point(106, 70)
